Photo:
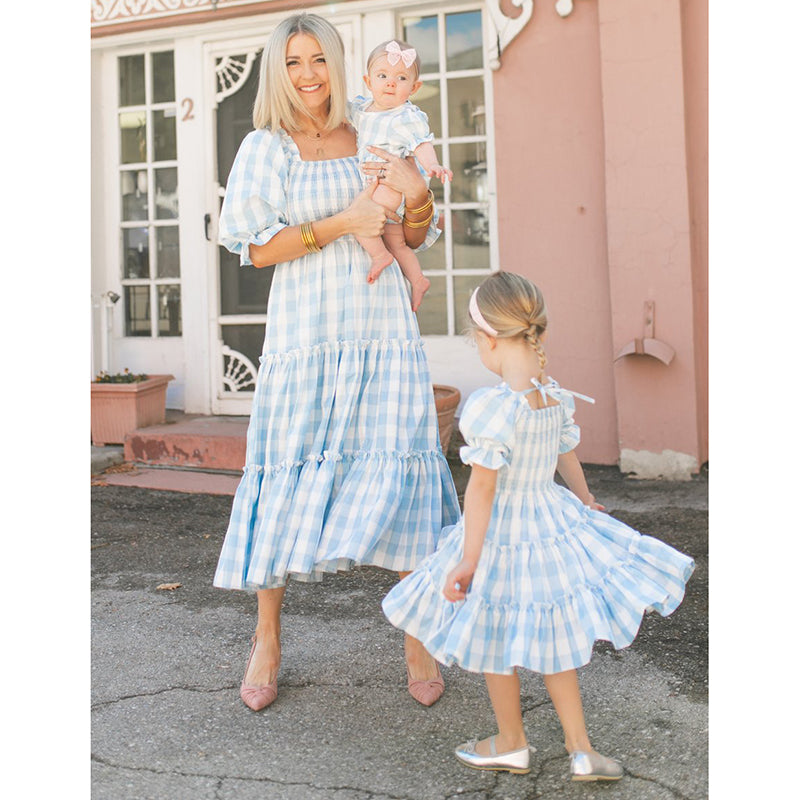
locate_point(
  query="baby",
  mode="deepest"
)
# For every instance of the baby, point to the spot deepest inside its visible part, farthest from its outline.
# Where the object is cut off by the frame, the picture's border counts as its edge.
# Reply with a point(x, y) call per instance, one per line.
point(388, 120)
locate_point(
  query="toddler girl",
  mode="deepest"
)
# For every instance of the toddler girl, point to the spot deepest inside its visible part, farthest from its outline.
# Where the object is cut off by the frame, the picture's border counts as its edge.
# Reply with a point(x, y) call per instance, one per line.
point(388, 120)
point(533, 574)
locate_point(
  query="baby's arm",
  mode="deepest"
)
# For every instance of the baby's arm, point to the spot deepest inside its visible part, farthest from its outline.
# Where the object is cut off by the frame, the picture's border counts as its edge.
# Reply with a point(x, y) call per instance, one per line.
point(478, 500)
point(570, 469)
point(426, 155)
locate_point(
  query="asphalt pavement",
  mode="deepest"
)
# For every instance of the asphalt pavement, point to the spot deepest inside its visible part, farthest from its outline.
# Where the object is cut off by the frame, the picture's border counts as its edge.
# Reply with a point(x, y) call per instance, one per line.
point(168, 651)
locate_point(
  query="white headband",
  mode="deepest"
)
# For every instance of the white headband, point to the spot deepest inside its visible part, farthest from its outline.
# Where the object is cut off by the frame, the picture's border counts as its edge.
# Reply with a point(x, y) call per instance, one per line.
point(477, 317)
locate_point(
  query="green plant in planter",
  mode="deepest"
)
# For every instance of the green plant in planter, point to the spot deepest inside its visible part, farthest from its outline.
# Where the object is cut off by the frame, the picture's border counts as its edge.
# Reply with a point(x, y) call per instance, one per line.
point(120, 377)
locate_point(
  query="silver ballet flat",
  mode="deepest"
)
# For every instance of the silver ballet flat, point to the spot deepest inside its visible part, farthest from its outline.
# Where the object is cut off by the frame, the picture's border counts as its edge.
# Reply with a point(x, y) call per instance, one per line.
point(593, 767)
point(516, 761)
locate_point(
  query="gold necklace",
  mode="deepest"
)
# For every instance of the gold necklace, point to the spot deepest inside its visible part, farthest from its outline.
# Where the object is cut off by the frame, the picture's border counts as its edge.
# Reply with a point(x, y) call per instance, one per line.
point(318, 139)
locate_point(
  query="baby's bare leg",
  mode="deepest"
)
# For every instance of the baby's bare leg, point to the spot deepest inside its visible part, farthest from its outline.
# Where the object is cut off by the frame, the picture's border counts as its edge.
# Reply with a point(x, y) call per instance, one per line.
point(395, 241)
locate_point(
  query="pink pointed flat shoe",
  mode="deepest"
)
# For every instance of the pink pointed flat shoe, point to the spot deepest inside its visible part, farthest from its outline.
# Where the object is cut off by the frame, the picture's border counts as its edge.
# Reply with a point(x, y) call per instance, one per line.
point(426, 692)
point(257, 697)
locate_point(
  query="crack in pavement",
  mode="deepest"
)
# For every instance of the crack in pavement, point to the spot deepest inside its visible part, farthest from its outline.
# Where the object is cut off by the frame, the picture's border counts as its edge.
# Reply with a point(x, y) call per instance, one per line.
point(222, 778)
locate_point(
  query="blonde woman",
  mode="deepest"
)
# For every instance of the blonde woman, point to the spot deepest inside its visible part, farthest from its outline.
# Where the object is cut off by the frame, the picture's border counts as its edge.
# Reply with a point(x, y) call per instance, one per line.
point(343, 464)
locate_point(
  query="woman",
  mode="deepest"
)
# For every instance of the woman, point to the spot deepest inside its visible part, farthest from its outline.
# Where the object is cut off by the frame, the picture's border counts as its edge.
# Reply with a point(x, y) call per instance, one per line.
point(343, 465)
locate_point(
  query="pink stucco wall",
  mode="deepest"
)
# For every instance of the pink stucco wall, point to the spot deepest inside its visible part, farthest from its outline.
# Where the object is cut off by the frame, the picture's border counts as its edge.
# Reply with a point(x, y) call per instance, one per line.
point(601, 174)
point(551, 202)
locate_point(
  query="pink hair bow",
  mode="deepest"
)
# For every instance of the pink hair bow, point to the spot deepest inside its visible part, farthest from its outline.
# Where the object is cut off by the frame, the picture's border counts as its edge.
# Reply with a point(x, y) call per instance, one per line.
point(394, 54)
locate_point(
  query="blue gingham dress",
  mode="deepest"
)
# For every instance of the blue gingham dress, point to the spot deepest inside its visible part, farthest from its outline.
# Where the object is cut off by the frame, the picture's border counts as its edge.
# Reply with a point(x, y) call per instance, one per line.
point(554, 576)
point(343, 463)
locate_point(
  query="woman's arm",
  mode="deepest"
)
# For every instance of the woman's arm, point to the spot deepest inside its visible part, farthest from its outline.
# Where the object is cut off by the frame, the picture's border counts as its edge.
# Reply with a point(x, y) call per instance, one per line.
point(478, 500)
point(402, 175)
point(570, 469)
point(363, 217)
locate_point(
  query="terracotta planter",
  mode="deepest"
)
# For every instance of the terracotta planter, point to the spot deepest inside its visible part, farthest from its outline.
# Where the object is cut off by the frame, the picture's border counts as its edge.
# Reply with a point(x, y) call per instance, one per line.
point(120, 408)
point(447, 399)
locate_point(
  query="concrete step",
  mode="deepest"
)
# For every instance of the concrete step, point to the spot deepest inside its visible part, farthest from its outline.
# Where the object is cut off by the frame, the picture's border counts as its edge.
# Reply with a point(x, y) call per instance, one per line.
point(191, 441)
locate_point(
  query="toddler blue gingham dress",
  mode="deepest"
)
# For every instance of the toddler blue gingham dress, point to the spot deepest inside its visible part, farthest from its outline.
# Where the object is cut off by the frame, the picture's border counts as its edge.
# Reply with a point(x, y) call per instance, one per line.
point(554, 575)
point(343, 465)
point(399, 131)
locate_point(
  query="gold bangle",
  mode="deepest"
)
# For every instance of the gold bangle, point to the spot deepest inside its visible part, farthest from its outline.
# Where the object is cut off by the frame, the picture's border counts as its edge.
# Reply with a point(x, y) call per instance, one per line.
point(428, 203)
point(421, 224)
point(309, 240)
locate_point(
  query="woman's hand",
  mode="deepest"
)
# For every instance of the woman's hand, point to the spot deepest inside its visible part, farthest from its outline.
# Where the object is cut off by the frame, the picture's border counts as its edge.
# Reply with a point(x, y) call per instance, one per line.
point(400, 174)
point(365, 217)
point(458, 580)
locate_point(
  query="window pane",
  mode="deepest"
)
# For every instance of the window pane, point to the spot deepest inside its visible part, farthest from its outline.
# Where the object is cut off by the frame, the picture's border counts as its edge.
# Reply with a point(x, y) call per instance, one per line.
point(422, 33)
point(164, 146)
point(131, 81)
point(434, 257)
point(133, 136)
point(135, 253)
point(471, 239)
point(133, 188)
point(429, 99)
point(169, 310)
point(463, 286)
point(464, 41)
point(137, 310)
point(468, 162)
point(166, 193)
point(466, 111)
point(432, 314)
point(163, 77)
point(168, 260)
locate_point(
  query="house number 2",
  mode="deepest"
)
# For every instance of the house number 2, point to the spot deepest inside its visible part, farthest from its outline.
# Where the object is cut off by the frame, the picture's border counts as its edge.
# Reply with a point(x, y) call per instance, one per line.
point(187, 104)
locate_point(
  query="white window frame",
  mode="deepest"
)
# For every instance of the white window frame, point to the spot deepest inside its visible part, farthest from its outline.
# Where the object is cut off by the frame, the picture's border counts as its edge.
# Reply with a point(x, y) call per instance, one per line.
point(443, 141)
point(149, 166)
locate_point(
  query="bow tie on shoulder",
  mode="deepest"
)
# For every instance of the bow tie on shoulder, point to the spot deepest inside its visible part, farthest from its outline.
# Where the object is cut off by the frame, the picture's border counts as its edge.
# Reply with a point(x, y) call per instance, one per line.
point(554, 390)
point(395, 54)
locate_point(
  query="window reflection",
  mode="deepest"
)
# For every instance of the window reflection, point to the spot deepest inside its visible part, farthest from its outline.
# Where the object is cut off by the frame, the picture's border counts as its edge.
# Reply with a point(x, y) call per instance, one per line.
point(169, 310)
point(133, 188)
point(464, 40)
point(432, 314)
point(466, 112)
point(470, 183)
point(471, 239)
point(131, 81)
point(133, 136)
point(422, 33)
point(169, 262)
point(164, 141)
point(135, 253)
point(166, 193)
point(137, 310)
point(163, 71)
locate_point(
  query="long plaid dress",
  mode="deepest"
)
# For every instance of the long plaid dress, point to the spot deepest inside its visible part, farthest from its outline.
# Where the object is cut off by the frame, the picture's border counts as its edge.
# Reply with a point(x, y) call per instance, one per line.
point(344, 465)
point(554, 575)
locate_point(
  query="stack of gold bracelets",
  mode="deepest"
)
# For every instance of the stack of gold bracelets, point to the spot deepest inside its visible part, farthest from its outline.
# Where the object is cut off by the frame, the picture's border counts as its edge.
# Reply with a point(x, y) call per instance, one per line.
point(423, 223)
point(309, 240)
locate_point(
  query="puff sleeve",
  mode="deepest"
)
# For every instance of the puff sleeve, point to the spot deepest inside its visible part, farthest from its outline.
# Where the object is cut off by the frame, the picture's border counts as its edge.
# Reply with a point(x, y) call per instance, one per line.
point(254, 208)
point(412, 126)
point(487, 423)
point(570, 432)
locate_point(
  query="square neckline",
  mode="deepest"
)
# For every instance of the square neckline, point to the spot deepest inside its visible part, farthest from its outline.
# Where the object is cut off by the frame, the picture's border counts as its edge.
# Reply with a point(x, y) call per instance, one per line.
point(292, 143)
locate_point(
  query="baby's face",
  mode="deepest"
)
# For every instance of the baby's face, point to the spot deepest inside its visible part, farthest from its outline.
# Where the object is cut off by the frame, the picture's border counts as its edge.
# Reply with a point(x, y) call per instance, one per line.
point(391, 85)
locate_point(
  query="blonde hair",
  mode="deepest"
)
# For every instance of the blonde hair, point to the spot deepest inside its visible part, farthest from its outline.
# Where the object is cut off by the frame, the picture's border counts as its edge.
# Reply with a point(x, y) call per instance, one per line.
point(380, 50)
point(514, 307)
point(277, 101)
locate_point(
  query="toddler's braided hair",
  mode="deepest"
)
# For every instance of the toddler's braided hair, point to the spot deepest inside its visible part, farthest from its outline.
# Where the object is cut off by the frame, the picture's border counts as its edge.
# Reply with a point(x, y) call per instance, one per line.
point(514, 307)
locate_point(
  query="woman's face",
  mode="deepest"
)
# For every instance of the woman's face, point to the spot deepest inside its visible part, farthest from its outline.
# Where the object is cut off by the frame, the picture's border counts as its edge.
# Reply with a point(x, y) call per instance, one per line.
point(308, 72)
